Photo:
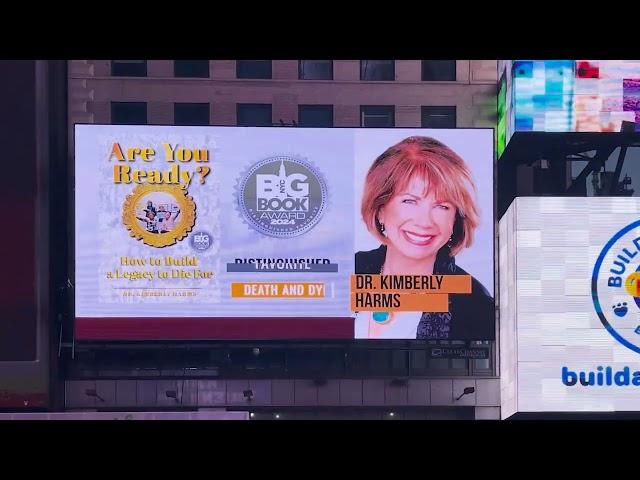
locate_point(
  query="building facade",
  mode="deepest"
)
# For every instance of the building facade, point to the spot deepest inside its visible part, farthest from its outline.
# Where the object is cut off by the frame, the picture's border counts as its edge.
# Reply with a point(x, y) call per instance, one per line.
point(350, 93)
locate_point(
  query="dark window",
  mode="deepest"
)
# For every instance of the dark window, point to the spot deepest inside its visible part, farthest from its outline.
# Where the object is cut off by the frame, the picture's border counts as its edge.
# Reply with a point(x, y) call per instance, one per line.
point(129, 68)
point(315, 69)
point(319, 361)
point(379, 116)
point(254, 114)
point(422, 363)
point(253, 68)
point(439, 70)
point(191, 68)
point(129, 113)
point(191, 114)
point(438, 117)
point(483, 366)
point(400, 362)
point(315, 115)
point(378, 70)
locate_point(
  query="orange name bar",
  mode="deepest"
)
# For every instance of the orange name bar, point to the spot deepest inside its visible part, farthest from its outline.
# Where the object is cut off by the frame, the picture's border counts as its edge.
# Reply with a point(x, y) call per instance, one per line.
point(411, 283)
point(399, 302)
point(277, 290)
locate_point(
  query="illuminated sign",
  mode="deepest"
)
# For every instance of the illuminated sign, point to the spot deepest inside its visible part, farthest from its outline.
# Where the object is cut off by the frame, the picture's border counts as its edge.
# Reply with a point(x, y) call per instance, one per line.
point(569, 309)
point(575, 95)
point(250, 233)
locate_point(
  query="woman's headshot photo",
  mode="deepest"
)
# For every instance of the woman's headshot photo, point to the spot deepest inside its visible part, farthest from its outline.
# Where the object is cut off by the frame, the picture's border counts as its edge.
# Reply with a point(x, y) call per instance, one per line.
point(419, 205)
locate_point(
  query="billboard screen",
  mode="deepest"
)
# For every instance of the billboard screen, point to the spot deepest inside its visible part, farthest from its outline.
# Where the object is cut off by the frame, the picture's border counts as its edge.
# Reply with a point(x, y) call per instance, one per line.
point(250, 233)
point(575, 95)
point(502, 114)
point(570, 305)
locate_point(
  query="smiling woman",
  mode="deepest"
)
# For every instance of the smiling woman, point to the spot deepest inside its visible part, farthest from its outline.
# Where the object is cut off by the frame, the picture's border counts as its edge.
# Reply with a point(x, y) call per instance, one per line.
point(418, 201)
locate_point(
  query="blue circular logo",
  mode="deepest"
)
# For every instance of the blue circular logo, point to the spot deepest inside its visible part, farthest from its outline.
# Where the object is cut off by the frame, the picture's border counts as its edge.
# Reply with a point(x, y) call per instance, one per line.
point(615, 286)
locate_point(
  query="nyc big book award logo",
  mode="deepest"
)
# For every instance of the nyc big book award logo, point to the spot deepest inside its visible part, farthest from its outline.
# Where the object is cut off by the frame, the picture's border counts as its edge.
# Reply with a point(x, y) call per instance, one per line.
point(615, 290)
point(282, 196)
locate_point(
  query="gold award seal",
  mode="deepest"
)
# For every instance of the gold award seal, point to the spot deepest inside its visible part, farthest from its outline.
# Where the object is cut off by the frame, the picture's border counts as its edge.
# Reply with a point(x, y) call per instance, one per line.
point(159, 215)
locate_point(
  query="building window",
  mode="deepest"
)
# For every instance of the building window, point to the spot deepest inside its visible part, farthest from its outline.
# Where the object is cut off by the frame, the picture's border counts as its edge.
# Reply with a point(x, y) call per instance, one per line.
point(315, 115)
point(315, 69)
point(128, 68)
point(253, 68)
point(191, 68)
point(377, 116)
point(439, 70)
point(254, 114)
point(427, 364)
point(377, 70)
point(129, 113)
point(191, 114)
point(438, 117)
point(483, 366)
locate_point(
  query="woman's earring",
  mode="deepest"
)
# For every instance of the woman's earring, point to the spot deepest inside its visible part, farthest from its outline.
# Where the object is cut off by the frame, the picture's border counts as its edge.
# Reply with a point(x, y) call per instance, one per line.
point(450, 242)
point(382, 228)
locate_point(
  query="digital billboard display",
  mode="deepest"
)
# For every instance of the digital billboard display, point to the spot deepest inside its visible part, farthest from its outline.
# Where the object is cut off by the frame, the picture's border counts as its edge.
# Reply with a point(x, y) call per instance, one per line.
point(570, 305)
point(250, 233)
point(501, 134)
point(575, 95)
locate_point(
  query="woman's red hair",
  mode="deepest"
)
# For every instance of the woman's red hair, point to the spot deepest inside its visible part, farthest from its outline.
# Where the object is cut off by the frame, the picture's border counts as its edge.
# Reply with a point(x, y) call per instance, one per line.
point(443, 171)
